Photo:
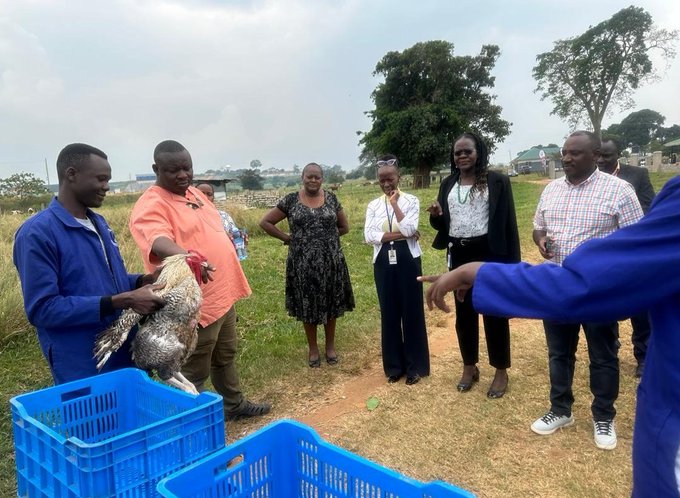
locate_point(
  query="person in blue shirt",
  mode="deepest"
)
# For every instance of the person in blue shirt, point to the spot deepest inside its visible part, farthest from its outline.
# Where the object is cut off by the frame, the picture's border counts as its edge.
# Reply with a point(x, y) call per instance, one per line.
point(636, 268)
point(73, 278)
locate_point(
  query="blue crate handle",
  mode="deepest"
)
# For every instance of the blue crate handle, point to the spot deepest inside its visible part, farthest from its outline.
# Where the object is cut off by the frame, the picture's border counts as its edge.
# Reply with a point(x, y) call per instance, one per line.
point(78, 393)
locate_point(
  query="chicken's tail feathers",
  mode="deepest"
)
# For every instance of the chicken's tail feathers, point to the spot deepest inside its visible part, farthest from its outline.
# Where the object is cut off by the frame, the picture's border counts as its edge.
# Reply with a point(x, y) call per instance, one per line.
point(110, 340)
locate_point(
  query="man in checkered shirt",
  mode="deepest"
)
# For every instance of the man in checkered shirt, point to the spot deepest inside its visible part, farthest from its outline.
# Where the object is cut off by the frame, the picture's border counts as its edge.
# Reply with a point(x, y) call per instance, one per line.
point(584, 204)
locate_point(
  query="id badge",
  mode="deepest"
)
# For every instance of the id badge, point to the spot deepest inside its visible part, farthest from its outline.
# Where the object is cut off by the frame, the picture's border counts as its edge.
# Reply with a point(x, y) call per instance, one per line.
point(392, 255)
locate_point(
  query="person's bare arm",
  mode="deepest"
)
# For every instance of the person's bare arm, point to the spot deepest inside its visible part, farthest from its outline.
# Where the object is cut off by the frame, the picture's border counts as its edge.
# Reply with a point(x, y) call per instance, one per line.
point(343, 224)
point(268, 224)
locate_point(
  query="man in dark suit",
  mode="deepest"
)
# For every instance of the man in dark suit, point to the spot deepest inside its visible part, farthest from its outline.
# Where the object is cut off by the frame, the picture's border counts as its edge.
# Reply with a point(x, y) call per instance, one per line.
point(639, 179)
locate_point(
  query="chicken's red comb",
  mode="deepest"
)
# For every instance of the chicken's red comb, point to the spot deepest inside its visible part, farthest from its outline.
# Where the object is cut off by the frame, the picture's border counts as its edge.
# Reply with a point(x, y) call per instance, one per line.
point(195, 261)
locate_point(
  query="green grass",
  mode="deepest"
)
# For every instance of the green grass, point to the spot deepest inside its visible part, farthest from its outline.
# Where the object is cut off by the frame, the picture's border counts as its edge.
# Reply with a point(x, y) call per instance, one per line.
point(272, 344)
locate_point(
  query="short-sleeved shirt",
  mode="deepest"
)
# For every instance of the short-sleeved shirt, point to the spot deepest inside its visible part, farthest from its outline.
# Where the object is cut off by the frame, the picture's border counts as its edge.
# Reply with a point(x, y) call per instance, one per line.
point(193, 223)
point(572, 214)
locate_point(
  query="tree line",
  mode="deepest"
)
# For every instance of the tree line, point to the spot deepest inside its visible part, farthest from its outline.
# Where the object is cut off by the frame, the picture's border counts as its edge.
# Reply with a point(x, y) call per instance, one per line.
point(429, 96)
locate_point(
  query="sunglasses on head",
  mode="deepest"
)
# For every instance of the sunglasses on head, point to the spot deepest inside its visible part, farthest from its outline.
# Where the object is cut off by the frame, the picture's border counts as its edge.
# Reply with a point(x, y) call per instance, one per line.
point(460, 152)
point(388, 162)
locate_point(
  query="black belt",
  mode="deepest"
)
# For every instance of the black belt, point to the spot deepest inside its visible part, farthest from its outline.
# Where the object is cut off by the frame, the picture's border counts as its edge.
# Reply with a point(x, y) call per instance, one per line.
point(464, 241)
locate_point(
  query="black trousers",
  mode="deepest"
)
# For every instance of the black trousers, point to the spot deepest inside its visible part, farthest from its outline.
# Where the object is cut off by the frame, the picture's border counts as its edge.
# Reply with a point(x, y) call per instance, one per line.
point(641, 331)
point(496, 329)
point(403, 334)
point(603, 348)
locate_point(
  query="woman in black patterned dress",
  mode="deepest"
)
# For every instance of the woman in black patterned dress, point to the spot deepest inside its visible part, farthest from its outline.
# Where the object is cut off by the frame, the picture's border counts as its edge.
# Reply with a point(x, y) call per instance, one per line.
point(318, 288)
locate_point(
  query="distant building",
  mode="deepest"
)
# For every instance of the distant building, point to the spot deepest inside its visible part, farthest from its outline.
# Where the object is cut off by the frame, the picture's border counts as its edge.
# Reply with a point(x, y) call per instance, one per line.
point(530, 161)
point(144, 181)
point(219, 182)
point(147, 177)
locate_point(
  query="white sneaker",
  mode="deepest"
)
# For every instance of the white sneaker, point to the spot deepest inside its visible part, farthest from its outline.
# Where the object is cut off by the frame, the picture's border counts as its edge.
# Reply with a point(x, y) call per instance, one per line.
point(550, 422)
point(605, 434)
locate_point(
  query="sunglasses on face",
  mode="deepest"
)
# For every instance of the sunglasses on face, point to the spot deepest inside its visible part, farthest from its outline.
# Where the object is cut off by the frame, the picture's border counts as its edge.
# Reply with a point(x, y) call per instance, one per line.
point(389, 162)
point(467, 152)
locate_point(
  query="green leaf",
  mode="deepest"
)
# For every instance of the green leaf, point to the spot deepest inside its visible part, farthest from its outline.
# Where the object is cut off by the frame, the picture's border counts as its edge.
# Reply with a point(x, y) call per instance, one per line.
point(372, 403)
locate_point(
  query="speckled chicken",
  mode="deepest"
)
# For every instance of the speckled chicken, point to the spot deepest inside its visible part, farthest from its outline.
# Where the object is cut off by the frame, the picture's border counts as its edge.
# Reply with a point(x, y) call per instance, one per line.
point(167, 337)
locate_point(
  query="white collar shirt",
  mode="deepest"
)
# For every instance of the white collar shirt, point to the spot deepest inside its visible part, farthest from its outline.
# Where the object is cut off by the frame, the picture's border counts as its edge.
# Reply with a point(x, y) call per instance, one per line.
point(379, 214)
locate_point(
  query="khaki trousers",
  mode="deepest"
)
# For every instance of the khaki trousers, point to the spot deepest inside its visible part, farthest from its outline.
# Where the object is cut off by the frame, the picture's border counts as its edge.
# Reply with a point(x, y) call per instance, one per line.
point(215, 357)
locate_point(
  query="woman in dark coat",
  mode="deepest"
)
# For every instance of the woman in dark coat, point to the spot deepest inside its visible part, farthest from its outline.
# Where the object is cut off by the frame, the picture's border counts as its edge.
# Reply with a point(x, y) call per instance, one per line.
point(474, 216)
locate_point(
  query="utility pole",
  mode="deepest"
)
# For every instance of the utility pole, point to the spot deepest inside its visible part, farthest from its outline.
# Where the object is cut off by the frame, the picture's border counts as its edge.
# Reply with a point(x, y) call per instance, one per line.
point(47, 172)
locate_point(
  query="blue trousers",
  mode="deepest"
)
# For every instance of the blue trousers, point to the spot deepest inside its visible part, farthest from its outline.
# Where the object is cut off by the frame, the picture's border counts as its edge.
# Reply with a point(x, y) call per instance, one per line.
point(603, 347)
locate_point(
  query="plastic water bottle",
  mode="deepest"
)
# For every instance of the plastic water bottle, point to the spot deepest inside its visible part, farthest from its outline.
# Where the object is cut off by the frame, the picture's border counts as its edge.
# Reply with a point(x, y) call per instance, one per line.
point(239, 244)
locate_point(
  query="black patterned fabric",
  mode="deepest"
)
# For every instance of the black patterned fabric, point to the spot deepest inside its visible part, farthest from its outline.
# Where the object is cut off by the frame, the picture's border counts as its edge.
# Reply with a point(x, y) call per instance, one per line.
point(318, 287)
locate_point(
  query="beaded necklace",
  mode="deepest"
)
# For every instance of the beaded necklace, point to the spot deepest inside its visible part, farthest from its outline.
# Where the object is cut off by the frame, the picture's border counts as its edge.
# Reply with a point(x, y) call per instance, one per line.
point(467, 194)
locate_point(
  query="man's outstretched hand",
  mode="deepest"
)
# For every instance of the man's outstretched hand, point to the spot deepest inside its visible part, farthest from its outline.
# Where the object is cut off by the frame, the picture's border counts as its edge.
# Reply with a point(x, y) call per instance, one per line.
point(460, 280)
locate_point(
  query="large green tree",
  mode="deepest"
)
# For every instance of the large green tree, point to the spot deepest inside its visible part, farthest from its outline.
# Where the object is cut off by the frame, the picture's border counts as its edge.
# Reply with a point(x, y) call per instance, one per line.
point(605, 65)
point(668, 133)
point(251, 180)
point(428, 97)
point(22, 185)
point(638, 128)
point(334, 174)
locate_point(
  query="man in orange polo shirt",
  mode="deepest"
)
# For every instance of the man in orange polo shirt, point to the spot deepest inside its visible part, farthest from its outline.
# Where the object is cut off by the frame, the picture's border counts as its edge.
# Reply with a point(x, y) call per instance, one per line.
point(172, 217)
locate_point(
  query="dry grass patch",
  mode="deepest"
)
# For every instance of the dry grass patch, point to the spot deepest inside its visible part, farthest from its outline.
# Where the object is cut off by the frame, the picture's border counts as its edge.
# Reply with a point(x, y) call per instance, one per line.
point(430, 431)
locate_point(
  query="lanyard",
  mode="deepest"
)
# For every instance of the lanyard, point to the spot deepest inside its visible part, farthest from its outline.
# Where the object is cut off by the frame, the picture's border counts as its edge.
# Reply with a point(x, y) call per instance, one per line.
point(387, 213)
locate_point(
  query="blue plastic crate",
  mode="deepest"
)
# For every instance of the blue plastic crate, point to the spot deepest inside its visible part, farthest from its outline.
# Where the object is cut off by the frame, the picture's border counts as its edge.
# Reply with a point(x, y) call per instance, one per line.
point(115, 434)
point(289, 460)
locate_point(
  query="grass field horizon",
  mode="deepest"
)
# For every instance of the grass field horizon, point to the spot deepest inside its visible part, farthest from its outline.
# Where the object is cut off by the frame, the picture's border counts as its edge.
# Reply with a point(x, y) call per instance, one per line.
point(268, 337)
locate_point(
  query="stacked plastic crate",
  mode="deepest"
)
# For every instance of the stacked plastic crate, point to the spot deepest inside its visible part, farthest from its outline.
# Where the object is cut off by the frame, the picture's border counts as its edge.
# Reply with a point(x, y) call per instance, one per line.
point(112, 435)
point(124, 435)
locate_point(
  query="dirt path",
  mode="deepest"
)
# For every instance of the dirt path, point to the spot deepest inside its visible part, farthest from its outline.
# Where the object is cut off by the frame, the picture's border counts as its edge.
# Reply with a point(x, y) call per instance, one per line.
point(352, 394)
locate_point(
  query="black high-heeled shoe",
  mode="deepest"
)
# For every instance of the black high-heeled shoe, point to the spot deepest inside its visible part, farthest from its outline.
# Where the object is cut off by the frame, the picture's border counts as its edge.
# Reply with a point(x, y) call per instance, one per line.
point(498, 393)
point(492, 394)
point(464, 387)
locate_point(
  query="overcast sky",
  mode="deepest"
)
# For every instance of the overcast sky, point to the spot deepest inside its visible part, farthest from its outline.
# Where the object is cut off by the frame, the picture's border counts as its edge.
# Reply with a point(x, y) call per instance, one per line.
point(283, 81)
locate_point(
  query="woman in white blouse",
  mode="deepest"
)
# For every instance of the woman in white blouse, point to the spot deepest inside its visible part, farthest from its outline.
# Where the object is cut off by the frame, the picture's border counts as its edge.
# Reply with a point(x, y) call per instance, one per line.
point(475, 219)
point(392, 228)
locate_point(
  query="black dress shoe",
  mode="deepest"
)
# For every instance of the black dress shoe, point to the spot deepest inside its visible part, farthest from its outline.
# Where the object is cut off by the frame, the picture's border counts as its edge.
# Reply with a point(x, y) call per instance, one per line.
point(466, 386)
point(412, 379)
point(496, 394)
point(393, 379)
